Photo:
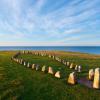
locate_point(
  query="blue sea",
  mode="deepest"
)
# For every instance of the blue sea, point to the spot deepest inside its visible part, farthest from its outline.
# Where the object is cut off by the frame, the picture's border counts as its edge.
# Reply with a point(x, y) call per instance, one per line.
point(82, 49)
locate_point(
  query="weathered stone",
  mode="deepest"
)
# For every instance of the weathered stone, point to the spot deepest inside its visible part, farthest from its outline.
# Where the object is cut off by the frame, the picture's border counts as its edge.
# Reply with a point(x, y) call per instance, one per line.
point(71, 65)
point(60, 60)
point(53, 57)
point(57, 74)
point(37, 67)
point(96, 82)
point(24, 63)
point(50, 70)
point(49, 56)
point(72, 78)
point(33, 66)
point(28, 64)
point(91, 74)
point(23, 52)
point(76, 67)
point(64, 62)
point(79, 68)
point(68, 63)
point(17, 60)
point(56, 58)
point(21, 62)
point(42, 54)
point(44, 68)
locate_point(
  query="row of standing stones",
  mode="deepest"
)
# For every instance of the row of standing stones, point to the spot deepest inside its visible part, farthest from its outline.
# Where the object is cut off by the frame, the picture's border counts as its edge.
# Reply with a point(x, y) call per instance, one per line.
point(94, 75)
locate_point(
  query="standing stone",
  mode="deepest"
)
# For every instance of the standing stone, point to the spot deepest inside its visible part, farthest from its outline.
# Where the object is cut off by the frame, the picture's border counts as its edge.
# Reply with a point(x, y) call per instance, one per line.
point(50, 70)
point(33, 66)
point(21, 62)
point(56, 58)
point(91, 74)
point(79, 68)
point(60, 60)
point(49, 56)
point(17, 60)
point(24, 63)
point(71, 65)
point(44, 68)
point(57, 74)
point(37, 67)
point(28, 64)
point(76, 67)
point(72, 78)
point(42, 54)
point(64, 62)
point(96, 82)
point(23, 52)
point(68, 63)
point(53, 57)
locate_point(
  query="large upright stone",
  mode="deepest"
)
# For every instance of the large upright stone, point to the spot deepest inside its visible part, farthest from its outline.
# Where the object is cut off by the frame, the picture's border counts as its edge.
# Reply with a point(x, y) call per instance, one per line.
point(76, 67)
point(72, 78)
point(44, 68)
point(50, 70)
point(71, 65)
point(16, 60)
point(42, 54)
point(37, 67)
point(68, 63)
point(33, 66)
point(53, 57)
point(23, 52)
point(24, 63)
point(64, 62)
point(21, 62)
point(28, 64)
point(49, 56)
point(96, 82)
point(56, 58)
point(59, 60)
point(91, 74)
point(57, 74)
point(79, 68)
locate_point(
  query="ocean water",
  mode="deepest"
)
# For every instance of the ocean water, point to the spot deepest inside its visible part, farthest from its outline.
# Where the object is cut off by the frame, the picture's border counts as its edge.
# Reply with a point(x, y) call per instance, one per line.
point(82, 49)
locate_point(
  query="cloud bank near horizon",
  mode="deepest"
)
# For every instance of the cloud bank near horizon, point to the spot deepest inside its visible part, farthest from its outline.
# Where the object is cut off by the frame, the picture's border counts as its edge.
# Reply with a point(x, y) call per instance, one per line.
point(49, 22)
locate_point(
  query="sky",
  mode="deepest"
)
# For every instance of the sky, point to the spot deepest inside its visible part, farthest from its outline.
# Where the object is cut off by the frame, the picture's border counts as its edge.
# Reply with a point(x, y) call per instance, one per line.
point(49, 22)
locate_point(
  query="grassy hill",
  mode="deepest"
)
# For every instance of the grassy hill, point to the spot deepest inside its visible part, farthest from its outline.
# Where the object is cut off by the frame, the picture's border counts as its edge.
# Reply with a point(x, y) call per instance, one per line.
point(20, 83)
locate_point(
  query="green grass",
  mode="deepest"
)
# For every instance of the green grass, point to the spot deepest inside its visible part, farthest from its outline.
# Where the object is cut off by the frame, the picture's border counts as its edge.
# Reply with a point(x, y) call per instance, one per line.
point(20, 83)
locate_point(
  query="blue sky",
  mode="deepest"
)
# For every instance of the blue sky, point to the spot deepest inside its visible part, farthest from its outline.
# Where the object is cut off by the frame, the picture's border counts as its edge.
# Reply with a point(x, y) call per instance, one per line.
point(50, 22)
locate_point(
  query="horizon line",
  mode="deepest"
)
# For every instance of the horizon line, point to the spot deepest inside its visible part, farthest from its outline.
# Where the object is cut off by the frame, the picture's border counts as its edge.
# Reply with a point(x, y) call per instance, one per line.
point(47, 45)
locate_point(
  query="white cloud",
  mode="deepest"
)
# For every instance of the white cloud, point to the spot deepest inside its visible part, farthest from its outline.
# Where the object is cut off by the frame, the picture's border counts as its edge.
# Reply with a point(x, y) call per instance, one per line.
point(27, 22)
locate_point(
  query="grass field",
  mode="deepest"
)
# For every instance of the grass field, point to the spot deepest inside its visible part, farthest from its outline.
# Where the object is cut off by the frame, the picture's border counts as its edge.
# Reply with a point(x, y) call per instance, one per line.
point(20, 83)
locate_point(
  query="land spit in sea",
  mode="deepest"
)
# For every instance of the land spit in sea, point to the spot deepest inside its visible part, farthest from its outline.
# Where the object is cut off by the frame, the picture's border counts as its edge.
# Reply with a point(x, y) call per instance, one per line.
point(21, 83)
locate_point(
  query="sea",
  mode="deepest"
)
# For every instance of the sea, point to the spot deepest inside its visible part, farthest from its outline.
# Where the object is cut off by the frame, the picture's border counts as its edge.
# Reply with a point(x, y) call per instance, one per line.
point(82, 49)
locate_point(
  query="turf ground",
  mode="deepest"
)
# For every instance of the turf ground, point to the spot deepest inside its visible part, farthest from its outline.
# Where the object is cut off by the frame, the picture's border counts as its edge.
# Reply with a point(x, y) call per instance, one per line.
point(20, 83)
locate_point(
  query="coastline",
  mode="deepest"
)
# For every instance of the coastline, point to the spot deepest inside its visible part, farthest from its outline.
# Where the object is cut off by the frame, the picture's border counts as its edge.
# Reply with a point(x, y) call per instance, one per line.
point(80, 49)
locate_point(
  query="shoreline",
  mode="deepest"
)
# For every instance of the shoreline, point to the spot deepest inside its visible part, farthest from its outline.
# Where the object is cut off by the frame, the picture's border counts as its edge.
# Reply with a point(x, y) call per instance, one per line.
point(53, 51)
point(80, 49)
